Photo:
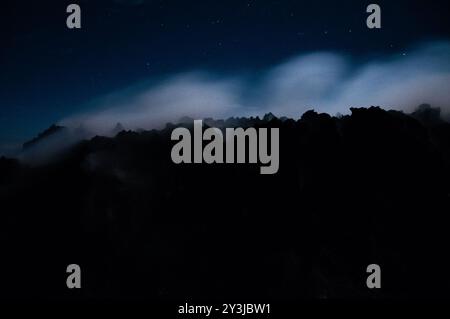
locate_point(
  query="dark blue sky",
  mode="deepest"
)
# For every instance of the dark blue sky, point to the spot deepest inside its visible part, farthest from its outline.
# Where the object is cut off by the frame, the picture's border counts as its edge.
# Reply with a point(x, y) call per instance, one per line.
point(48, 71)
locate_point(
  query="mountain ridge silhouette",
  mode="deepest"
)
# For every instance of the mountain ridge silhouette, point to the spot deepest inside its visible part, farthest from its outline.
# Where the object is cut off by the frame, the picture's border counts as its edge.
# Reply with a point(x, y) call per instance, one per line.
point(369, 187)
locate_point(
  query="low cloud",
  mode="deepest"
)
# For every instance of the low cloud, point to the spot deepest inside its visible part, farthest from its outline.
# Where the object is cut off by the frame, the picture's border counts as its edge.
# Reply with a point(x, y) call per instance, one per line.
point(326, 81)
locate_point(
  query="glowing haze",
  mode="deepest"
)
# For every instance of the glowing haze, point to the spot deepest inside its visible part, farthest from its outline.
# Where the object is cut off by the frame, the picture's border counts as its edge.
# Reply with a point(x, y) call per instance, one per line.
point(324, 81)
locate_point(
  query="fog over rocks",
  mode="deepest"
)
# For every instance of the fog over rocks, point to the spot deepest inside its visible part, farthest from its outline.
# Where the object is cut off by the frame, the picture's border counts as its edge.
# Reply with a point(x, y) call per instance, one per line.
point(368, 187)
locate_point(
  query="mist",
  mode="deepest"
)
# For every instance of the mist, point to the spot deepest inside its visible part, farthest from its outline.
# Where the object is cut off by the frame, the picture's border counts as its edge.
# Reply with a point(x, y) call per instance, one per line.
point(324, 81)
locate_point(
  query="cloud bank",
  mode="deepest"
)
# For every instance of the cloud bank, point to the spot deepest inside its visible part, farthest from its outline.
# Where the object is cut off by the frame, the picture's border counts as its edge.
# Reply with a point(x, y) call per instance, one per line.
point(324, 81)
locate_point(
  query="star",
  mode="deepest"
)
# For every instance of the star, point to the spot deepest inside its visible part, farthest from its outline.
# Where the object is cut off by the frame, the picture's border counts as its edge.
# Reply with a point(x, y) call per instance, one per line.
point(217, 21)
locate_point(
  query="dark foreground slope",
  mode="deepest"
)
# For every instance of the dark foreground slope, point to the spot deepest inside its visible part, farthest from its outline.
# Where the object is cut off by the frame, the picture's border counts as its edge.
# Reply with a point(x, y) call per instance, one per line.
point(368, 188)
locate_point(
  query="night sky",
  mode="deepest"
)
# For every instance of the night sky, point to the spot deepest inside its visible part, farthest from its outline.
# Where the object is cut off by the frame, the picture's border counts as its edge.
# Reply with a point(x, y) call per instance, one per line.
point(48, 71)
